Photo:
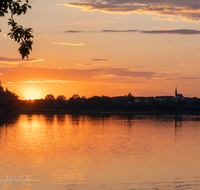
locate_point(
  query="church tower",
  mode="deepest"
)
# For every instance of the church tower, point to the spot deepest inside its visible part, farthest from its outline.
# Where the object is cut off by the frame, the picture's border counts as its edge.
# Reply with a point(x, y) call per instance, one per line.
point(175, 91)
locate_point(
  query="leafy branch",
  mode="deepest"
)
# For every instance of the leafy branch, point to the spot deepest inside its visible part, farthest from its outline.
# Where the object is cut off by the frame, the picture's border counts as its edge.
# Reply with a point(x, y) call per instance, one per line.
point(21, 35)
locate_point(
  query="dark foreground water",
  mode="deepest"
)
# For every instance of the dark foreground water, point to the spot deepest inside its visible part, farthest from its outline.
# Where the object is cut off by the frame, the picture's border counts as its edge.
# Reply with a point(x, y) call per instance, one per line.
point(69, 152)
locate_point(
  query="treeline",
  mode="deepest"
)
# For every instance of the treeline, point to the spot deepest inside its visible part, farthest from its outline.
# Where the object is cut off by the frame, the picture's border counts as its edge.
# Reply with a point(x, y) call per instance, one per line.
point(105, 103)
point(8, 100)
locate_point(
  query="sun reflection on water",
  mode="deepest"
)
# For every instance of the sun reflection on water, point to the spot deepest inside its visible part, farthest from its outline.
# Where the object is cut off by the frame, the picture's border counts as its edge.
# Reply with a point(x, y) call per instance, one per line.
point(100, 152)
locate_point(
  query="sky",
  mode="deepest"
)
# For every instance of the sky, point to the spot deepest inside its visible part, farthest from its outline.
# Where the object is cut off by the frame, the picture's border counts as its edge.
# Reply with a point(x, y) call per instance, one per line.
point(105, 47)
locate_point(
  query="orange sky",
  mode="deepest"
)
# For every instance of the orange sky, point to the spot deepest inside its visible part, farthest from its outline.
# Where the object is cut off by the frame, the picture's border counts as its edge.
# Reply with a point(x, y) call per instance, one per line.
point(89, 48)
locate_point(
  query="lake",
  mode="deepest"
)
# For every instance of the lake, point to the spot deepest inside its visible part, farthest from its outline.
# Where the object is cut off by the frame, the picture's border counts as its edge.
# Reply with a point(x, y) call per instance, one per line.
point(99, 152)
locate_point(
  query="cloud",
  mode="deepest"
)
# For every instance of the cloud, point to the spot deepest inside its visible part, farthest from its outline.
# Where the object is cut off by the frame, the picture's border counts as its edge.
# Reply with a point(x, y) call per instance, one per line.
point(167, 19)
point(69, 44)
point(183, 64)
point(5, 59)
point(104, 31)
point(186, 9)
point(90, 23)
point(107, 76)
point(126, 73)
point(163, 28)
point(87, 64)
point(174, 77)
point(91, 64)
point(45, 81)
point(165, 31)
point(74, 31)
point(19, 75)
point(15, 62)
point(11, 63)
point(100, 59)
point(165, 76)
point(118, 30)
point(181, 31)
point(189, 78)
point(111, 76)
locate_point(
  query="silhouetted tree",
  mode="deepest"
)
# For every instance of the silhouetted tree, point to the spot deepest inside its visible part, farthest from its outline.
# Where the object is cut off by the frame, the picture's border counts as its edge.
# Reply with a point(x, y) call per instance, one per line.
point(8, 100)
point(49, 97)
point(10, 95)
point(61, 103)
point(75, 102)
point(61, 98)
point(129, 97)
point(75, 96)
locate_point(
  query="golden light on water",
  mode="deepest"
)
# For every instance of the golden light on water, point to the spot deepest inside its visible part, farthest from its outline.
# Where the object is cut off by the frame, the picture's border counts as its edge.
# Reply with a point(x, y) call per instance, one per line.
point(32, 94)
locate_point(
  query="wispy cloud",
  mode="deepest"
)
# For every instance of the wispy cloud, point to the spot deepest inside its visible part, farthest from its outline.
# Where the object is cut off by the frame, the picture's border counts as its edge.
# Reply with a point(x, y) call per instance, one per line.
point(193, 78)
point(118, 30)
point(183, 64)
point(26, 75)
point(5, 59)
point(188, 10)
point(87, 64)
point(163, 28)
point(104, 31)
point(15, 62)
point(181, 31)
point(161, 31)
point(75, 31)
point(90, 23)
point(45, 81)
point(69, 44)
point(10, 63)
point(167, 19)
point(111, 76)
point(91, 64)
point(100, 59)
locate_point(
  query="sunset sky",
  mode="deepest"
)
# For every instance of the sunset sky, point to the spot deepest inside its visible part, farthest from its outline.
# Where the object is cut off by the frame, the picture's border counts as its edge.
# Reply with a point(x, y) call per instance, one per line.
point(105, 47)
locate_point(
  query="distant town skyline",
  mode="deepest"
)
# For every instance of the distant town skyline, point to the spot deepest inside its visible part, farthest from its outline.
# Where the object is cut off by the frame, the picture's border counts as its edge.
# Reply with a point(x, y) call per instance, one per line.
point(105, 48)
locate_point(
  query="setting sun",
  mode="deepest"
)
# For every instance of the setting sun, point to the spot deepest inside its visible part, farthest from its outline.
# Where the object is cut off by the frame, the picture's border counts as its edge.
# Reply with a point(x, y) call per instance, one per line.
point(32, 94)
point(29, 98)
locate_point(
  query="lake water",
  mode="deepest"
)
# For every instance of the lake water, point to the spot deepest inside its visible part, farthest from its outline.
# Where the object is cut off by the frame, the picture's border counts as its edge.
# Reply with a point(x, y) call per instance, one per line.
point(99, 152)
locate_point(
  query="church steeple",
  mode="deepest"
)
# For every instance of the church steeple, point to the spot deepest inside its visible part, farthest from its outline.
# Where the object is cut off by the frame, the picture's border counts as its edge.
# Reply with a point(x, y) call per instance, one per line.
point(175, 91)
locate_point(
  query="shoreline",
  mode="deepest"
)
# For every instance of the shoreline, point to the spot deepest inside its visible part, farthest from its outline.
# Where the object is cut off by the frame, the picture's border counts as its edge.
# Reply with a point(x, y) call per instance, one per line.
point(110, 112)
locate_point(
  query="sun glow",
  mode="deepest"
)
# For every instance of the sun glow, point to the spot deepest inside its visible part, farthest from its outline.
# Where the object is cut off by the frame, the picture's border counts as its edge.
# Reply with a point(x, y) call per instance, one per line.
point(29, 99)
point(32, 94)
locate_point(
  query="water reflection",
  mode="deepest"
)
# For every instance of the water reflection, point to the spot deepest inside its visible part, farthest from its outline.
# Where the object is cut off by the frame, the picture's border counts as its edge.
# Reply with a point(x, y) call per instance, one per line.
point(49, 118)
point(75, 119)
point(61, 119)
point(101, 151)
point(8, 119)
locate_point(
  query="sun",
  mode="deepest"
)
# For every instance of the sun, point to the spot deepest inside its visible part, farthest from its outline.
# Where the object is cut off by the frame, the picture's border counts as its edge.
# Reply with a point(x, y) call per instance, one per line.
point(32, 94)
point(29, 98)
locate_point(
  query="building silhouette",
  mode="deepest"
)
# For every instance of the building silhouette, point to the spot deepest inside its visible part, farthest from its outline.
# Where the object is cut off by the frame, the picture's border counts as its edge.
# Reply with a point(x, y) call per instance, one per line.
point(1, 88)
point(178, 96)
